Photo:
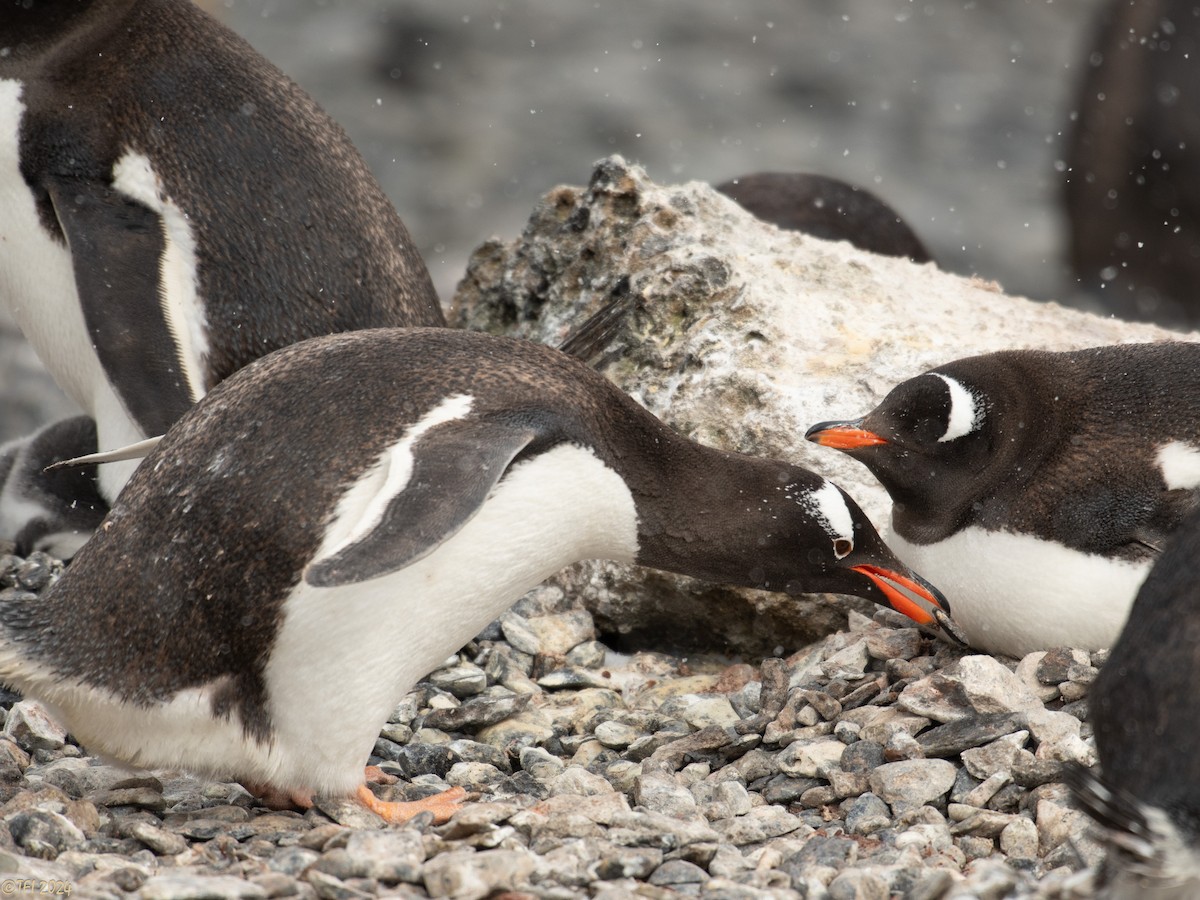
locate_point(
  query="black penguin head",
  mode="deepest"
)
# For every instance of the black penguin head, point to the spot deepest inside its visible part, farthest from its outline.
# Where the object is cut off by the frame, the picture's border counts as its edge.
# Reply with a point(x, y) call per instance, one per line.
point(929, 438)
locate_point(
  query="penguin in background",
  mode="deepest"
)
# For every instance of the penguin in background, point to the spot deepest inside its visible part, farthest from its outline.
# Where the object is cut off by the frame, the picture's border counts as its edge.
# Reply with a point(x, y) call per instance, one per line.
point(1143, 708)
point(1059, 475)
point(173, 207)
point(331, 522)
point(827, 208)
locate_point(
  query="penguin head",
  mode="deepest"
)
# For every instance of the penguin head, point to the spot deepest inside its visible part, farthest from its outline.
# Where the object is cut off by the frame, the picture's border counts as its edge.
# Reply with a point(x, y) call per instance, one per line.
point(932, 433)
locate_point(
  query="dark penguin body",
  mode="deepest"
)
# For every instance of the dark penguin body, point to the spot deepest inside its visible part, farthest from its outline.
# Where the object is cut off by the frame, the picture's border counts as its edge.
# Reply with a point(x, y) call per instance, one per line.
point(328, 524)
point(50, 511)
point(1059, 475)
point(826, 208)
point(174, 207)
point(1144, 707)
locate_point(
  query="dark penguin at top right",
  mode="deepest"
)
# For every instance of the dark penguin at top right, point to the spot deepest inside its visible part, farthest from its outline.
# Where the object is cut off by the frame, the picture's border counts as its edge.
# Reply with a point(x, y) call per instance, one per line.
point(1037, 488)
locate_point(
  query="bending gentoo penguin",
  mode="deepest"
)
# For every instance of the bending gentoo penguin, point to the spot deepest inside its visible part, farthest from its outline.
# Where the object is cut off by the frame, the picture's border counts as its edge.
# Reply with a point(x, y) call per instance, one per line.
point(173, 207)
point(331, 522)
point(1144, 707)
point(826, 208)
point(51, 511)
point(1056, 475)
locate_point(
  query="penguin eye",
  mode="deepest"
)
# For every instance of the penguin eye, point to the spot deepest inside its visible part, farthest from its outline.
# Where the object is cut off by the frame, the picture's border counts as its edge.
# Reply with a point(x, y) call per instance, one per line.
point(842, 548)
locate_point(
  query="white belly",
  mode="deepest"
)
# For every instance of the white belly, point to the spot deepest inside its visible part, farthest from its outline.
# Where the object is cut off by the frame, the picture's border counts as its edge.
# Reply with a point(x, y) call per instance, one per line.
point(1014, 594)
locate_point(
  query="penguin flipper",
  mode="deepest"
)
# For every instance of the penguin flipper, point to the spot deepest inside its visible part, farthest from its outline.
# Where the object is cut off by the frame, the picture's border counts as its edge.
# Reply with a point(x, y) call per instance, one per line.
point(116, 248)
point(454, 468)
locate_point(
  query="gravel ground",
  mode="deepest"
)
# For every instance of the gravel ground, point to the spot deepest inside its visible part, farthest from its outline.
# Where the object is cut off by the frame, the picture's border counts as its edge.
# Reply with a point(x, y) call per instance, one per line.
point(878, 763)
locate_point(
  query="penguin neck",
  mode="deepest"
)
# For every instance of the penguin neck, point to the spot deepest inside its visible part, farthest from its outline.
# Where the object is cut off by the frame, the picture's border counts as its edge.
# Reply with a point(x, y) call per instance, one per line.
point(704, 512)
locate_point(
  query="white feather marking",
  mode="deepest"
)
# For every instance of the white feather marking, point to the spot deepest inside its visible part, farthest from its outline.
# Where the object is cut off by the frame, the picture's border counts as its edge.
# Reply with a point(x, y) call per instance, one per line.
point(361, 508)
point(966, 412)
point(828, 506)
point(37, 286)
point(1180, 465)
point(345, 656)
point(179, 292)
point(1015, 593)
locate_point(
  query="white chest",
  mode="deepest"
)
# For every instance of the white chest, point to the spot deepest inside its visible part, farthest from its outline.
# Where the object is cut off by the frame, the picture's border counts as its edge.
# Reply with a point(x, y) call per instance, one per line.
point(1013, 594)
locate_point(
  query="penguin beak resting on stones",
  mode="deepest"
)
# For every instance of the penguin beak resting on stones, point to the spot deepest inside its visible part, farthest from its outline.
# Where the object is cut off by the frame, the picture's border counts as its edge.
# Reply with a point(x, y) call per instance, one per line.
point(328, 524)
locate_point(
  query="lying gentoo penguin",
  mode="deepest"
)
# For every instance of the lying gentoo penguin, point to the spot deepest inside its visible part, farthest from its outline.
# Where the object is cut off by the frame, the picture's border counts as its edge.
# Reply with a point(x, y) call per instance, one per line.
point(51, 511)
point(1036, 488)
point(172, 207)
point(826, 208)
point(1144, 706)
point(331, 522)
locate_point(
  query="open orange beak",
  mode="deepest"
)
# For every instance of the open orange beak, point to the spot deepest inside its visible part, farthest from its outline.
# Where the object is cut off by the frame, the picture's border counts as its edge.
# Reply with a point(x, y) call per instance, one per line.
point(848, 435)
point(910, 596)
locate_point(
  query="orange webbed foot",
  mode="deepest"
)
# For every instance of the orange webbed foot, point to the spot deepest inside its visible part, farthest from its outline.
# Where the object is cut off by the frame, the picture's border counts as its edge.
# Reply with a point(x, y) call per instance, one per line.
point(443, 805)
point(278, 798)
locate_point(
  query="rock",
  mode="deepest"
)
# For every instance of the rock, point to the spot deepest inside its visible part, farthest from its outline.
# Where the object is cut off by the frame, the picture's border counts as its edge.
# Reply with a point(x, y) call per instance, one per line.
point(760, 824)
point(912, 783)
point(678, 871)
point(462, 680)
point(1019, 839)
point(389, 856)
point(705, 712)
point(470, 876)
point(32, 728)
point(809, 760)
point(867, 814)
point(757, 334)
point(43, 834)
point(198, 887)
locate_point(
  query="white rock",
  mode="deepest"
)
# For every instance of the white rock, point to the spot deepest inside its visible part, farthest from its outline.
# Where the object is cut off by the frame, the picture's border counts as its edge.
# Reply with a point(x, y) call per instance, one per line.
point(807, 760)
point(911, 783)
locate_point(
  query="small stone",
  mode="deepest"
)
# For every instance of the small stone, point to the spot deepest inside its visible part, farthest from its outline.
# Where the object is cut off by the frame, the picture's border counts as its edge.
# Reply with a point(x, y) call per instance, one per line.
point(981, 794)
point(857, 884)
point(658, 792)
point(541, 765)
point(867, 814)
point(163, 843)
point(912, 783)
point(1055, 666)
point(706, 712)
point(990, 687)
point(1019, 839)
point(998, 756)
point(862, 757)
point(462, 680)
point(477, 713)
point(572, 678)
point(894, 643)
point(1057, 823)
point(388, 855)
point(32, 728)
point(465, 875)
point(616, 735)
point(760, 824)
point(589, 654)
point(199, 887)
point(849, 662)
point(579, 781)
point(43, 834)
point(678, 871)
point(902, 745)
point(627, 862)
point(1027, 670)
point(809, 760)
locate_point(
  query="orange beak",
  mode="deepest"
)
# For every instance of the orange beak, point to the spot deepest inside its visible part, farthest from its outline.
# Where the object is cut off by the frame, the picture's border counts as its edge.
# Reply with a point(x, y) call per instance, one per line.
point(843, 435)
point(938, 614)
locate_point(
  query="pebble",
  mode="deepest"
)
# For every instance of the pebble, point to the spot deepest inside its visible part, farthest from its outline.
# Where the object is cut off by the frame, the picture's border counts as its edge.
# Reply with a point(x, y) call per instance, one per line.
point(854, 768)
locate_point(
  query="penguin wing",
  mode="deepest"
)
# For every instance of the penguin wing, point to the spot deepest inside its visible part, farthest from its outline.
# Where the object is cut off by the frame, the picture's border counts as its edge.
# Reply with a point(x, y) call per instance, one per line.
point(1169, 511)
point(454, 468)
point(117, 248)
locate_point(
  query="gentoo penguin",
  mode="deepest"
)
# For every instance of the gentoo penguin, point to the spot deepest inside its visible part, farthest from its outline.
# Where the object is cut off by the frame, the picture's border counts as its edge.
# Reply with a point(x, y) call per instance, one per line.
point(332, 521)
point(826, 208)
point(172, 207)
point(1056, 475)
point(1144, 707)
point(51, 511)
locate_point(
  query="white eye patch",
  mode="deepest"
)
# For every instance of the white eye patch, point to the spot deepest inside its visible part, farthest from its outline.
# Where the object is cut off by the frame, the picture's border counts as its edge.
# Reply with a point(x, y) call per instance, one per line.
point(966, 410)
point(827, 505)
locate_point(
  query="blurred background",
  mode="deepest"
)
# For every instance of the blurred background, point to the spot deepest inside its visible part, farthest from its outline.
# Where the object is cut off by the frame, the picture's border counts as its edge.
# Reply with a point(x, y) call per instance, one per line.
point(956, 112)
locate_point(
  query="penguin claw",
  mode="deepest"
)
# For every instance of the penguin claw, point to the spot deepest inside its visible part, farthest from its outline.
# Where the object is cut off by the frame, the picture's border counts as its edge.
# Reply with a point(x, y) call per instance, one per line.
point(278, 798)
point(443, 806)
point(376, 775)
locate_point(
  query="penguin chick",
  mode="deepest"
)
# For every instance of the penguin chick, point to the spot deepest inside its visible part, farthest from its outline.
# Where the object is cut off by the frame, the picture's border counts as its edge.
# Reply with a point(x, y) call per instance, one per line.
point(332, 521)
point(53, 512)
point(1058, 475)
